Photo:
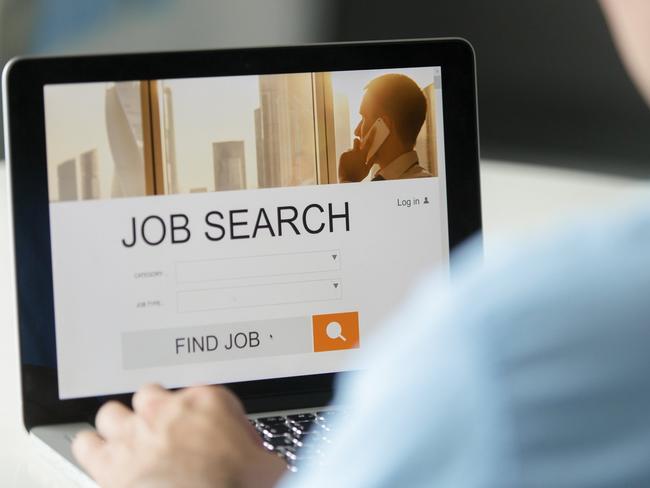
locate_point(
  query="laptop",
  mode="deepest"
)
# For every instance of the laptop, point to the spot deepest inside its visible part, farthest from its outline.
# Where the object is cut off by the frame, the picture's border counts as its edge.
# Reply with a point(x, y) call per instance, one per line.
point(246, 217)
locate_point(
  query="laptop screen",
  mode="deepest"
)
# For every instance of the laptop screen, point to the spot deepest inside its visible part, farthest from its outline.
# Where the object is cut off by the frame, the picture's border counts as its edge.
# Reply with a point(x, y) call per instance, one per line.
point(227, 229)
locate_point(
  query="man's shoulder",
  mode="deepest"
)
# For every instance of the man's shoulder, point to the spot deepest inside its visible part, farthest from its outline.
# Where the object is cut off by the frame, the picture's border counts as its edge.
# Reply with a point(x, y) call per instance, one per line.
point(514, 362)
point(416, 171)
point(563, 324)
point(592, 273)
point(597, 241)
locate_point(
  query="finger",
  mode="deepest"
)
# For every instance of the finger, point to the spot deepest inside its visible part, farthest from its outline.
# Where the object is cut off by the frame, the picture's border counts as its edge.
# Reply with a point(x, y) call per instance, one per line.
point(210, 396)
point(149, 400)
point(114, 421)
point(254, 435)
point(223, 407)
point(215, 399)
point(356, 144)
point(231, 400)
point(90, 450)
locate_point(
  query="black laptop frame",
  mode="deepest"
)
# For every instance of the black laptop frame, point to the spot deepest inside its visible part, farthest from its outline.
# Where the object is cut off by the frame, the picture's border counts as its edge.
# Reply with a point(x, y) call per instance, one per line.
point(24, 80)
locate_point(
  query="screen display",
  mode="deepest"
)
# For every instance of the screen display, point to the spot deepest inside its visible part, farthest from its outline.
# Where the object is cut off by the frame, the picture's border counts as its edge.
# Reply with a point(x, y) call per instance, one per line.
point(227, 229)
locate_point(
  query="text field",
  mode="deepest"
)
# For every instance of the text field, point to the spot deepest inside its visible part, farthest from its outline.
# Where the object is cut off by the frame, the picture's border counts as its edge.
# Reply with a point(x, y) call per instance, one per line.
point(257, 266)
point(259, 295)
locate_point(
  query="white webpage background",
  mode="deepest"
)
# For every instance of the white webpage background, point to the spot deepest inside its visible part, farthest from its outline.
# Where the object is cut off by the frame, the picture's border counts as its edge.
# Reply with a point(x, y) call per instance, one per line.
point(95, 290)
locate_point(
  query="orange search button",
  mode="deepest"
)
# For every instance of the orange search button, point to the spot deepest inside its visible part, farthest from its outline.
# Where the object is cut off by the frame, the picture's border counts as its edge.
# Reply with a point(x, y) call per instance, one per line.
point(335, 331)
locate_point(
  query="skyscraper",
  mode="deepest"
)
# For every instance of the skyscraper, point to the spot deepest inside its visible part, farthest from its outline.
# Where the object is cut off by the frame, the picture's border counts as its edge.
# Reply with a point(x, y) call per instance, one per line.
point(169, 138)
point(67, 179)
point(287, 128)
point(89, 169)
point(263, 169)
point(229, 165)
point(125, 137)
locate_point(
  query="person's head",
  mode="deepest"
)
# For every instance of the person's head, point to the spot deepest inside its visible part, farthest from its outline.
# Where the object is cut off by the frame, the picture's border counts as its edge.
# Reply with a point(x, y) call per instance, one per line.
point(399, 101)
point(629, 21)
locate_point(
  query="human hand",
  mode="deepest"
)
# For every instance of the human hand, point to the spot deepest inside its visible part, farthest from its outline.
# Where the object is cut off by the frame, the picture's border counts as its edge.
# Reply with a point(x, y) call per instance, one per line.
point(353, 164)
point(197, 437)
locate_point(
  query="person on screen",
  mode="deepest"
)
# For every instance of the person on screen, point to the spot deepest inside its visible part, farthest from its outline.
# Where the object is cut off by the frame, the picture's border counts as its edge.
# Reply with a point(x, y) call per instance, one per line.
point(397, 102)
point(531, 371)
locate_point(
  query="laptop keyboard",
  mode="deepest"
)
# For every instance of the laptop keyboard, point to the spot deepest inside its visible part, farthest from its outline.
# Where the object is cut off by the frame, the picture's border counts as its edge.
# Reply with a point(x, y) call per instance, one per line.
point(298, 437)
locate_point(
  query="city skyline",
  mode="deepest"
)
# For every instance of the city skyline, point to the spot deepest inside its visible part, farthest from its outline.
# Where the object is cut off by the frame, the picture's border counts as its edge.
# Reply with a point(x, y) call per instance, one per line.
point(229, 163)
point(271, 117)
point(124, 127)
point(67, 180)
point(169, 138)
point(286, 130)
point(89, 170)
point(77, 178)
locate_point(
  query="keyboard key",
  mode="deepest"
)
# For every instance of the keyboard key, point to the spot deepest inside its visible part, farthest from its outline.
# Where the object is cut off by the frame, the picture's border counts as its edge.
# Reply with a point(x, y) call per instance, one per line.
point(311, 434)
point(295, 430)
point(275, 430)
point(296, 437)
point(295, 455)
point(305, 424)
point(272, 420)
point(300, 440)
point(300, 427)
point(292, 454)
point(285, 441)
point(298, 417)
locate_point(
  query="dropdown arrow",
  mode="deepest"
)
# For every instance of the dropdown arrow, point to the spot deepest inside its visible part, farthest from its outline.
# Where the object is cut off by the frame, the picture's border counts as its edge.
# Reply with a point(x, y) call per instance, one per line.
point(336, 285)
point(334, 257)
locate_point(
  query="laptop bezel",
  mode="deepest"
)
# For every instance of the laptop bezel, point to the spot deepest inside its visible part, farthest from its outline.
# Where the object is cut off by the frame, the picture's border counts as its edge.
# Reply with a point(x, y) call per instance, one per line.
point(23, 82)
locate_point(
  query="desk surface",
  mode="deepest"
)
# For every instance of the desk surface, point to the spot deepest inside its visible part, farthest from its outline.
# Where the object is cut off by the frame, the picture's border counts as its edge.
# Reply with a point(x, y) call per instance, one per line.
point(517, 199)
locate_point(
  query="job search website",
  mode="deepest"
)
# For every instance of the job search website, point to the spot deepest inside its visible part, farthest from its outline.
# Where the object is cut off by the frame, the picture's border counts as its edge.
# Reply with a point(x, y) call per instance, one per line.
point(201, 231)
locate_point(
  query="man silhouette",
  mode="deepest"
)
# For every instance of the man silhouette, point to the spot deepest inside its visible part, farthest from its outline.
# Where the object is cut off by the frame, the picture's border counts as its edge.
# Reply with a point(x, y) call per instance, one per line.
point(399, 102)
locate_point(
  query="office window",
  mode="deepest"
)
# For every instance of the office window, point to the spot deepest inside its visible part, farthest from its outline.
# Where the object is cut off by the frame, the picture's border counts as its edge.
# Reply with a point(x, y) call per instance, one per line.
point(158, 137)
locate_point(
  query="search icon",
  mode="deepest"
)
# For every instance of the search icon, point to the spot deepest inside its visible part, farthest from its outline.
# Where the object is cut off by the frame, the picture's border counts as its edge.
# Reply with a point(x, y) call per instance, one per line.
point(333, 331)
point(328, 330)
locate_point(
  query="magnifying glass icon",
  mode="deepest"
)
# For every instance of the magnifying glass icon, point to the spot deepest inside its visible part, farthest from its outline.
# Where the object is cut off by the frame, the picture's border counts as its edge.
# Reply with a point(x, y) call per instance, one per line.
point(333, 331)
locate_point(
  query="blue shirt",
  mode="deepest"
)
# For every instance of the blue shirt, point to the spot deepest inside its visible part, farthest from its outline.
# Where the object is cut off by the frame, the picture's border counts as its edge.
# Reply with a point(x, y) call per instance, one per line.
point(532, 370)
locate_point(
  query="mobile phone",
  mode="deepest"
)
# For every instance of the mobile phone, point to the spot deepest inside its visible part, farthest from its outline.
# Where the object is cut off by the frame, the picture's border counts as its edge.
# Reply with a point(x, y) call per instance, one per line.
point(382, 132)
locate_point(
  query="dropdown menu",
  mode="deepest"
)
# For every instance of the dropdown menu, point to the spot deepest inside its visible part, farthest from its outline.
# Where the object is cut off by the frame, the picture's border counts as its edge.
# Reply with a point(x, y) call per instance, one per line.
point(259, 295)
point(257, 266)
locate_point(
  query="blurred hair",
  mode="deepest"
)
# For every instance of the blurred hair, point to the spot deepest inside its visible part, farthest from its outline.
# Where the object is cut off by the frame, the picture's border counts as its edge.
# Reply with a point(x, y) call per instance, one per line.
point(399, 97)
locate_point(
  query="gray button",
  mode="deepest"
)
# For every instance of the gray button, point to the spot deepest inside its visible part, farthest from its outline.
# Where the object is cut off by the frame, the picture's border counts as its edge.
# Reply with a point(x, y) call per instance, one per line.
point(216, 342)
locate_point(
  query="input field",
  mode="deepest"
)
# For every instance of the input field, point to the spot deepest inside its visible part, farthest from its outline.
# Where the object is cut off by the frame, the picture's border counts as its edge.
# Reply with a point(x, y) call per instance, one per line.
point(257, 266)
point(259, 295)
